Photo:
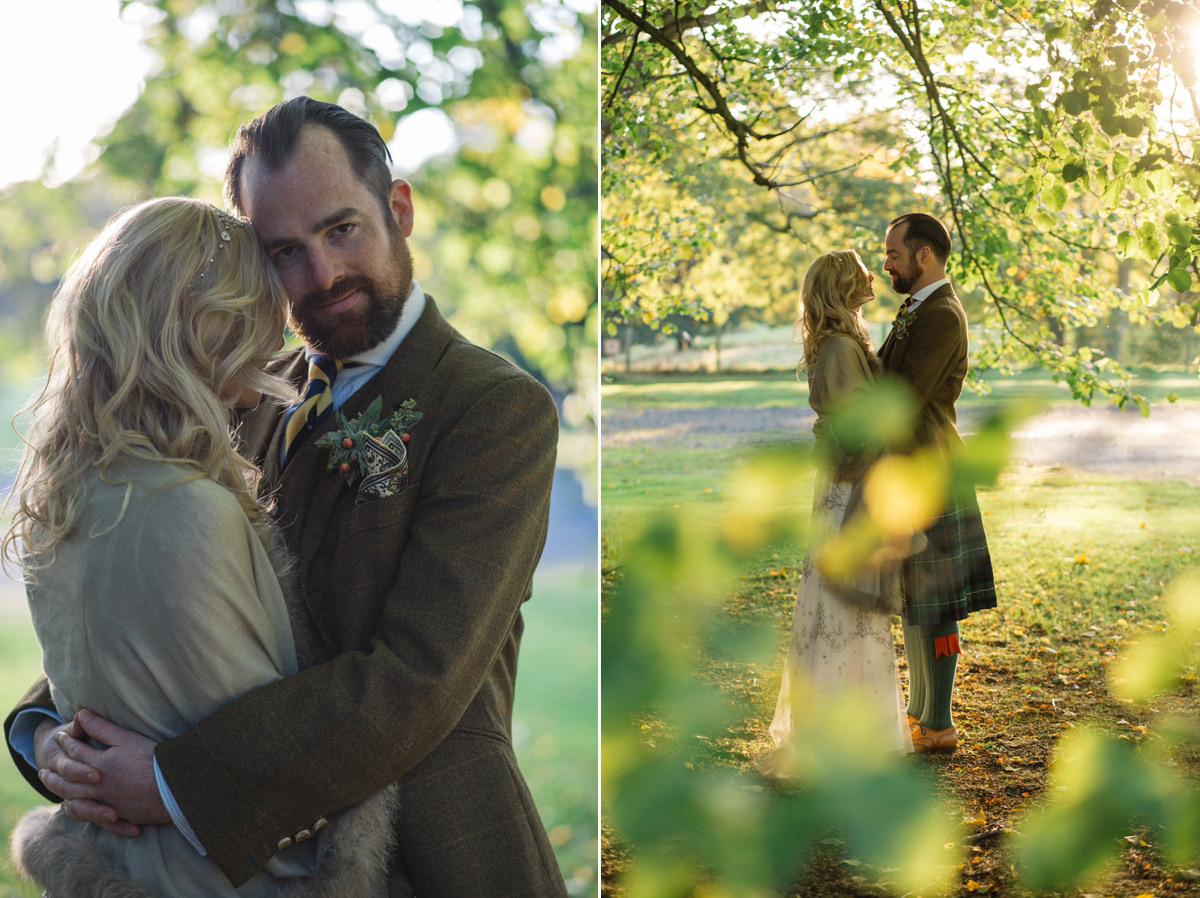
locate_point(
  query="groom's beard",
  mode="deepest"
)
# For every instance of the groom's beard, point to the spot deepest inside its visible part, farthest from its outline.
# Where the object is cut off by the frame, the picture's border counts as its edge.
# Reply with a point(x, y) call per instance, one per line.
point(902, 281)
point(350, 333)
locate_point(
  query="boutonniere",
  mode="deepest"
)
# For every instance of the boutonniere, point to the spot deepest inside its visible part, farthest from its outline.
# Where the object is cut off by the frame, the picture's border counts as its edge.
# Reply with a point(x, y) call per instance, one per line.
point(373, 450)
point(902, 323)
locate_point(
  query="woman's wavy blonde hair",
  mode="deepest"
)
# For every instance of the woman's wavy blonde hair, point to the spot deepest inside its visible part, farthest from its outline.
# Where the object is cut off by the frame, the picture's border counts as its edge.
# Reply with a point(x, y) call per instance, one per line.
point(831, 281)
point(156, 330)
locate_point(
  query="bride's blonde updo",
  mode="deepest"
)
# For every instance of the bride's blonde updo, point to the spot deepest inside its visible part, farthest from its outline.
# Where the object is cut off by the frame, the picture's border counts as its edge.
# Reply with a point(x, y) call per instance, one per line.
point(164, 320)
point(833, 280)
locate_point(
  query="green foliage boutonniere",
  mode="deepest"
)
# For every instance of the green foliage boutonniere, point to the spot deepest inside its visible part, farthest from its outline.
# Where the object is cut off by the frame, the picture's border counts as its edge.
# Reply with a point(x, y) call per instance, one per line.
point(902, 323)
point(369, 448)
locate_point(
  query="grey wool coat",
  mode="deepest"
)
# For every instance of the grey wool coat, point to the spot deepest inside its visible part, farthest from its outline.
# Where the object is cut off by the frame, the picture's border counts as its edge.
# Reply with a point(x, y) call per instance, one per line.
point(415, 601)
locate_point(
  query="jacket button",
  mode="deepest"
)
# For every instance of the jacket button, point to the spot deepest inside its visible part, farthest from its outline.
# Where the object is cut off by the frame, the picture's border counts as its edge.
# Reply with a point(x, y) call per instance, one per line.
point(284, 843)
point(302, 835)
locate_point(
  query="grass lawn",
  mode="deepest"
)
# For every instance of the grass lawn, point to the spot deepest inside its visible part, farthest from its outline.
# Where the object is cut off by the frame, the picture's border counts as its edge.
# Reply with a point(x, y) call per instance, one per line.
point(20, 664)
point(1082, 564)
point(783, 389)
point(555, 716)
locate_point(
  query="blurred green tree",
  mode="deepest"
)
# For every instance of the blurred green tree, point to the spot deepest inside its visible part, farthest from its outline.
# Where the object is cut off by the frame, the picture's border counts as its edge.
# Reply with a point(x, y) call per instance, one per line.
point(488, 107)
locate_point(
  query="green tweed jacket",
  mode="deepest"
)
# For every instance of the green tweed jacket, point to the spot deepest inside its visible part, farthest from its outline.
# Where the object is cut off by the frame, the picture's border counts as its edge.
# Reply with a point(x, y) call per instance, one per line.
point(931, 355)
point(952, 577)
point(416, 602)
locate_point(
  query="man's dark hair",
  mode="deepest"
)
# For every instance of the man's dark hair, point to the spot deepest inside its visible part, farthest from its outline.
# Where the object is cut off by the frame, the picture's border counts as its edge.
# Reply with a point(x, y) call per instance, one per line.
point(924, 230)
point(272, 137)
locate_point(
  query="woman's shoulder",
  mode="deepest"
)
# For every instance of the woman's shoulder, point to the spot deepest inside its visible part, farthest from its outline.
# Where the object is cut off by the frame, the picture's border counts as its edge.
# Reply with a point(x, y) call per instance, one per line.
point(840, 350)
point(174, 494)
point(844, 342)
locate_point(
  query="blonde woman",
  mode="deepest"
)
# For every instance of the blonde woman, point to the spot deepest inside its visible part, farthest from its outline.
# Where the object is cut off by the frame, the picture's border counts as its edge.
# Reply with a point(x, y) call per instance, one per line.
point(151, 571)
point(841, 637)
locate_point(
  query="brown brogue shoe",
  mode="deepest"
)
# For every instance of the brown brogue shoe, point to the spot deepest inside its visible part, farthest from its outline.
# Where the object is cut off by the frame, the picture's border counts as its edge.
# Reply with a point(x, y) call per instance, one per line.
point(927, 741)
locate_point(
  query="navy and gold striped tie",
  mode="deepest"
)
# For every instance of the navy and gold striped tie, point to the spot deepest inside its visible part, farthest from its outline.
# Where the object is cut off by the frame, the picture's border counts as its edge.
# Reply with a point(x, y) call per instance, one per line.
point(302, 418)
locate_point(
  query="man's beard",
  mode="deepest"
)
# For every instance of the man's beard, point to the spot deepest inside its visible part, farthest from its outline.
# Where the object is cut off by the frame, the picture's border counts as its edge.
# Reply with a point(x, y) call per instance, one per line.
point(354, 331)
point(902, 281)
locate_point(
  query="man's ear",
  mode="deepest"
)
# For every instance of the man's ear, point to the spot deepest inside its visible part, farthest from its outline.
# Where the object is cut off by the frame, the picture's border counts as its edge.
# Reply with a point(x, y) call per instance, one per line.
point(402, 207)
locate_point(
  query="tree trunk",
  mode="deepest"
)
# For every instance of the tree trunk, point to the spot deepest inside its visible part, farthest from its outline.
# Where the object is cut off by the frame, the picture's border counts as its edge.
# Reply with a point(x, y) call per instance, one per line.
point(1187, 338)
point(1118, 320)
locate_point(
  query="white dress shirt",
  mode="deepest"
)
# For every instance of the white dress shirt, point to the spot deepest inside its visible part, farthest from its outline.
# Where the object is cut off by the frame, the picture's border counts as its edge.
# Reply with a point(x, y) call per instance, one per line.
point(925, 292)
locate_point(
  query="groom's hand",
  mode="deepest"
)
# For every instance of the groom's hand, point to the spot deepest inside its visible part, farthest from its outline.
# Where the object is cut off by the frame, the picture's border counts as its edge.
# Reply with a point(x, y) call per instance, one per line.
point(112, 787)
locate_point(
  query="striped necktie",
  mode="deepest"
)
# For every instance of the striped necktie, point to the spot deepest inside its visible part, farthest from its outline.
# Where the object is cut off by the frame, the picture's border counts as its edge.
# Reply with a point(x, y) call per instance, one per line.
point(904, 306)
point(316, 405)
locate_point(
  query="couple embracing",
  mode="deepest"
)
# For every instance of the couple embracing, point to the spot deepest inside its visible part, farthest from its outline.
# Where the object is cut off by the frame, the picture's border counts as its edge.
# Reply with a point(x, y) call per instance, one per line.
point(841, 638)
point(280, 643)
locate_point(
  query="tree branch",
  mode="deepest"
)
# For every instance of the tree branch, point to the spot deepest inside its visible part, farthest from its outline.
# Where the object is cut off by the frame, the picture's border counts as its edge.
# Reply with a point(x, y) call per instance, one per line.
point(741, 133)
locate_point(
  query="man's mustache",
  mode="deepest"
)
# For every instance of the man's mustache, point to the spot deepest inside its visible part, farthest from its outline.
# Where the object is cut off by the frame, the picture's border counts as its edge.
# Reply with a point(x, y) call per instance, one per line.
point(348, 284)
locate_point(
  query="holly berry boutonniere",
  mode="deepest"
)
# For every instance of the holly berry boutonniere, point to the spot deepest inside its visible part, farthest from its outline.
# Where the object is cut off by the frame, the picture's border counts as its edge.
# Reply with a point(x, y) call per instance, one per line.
point(903, 322)
point(372, 449)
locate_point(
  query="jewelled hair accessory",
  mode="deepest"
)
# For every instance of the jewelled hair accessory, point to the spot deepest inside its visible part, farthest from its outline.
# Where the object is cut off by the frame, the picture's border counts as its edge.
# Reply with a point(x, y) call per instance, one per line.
point(224, 222)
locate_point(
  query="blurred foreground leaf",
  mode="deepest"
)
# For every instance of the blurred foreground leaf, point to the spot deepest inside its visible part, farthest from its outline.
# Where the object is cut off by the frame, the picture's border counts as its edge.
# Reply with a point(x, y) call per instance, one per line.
point(733, 832)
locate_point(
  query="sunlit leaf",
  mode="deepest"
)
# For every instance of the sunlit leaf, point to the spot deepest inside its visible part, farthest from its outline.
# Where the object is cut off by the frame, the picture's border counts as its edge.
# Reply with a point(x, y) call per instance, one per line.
point(1180, 279)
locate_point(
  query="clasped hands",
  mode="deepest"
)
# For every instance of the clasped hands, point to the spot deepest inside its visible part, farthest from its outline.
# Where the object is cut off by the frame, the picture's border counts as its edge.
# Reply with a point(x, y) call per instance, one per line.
point(113, 787)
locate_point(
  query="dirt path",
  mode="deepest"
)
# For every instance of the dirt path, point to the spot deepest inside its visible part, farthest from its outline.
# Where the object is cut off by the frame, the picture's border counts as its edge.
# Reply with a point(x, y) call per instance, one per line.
point(1096, 440)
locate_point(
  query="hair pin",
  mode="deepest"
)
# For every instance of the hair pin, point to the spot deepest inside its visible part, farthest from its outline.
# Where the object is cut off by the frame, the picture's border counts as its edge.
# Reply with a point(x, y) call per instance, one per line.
point(224, 220)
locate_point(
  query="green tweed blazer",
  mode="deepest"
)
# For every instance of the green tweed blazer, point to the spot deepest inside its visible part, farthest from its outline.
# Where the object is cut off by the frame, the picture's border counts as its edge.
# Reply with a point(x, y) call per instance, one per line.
point(416, 602)
point(931, 356)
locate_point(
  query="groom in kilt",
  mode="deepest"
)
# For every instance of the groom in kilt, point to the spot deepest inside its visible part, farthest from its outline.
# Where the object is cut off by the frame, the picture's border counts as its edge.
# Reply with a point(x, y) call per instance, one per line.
point(952, 576)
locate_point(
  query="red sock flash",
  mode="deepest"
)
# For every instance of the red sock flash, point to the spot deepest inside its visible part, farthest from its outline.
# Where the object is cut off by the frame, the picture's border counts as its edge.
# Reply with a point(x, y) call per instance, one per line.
point(946, 645)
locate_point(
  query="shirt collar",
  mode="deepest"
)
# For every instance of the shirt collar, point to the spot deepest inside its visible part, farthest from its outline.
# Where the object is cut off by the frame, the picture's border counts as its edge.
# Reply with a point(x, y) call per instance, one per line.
point(925, 292)
point(378, 355)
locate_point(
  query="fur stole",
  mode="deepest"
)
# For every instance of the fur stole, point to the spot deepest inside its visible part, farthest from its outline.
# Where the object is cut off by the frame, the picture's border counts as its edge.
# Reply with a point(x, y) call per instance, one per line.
point(51, 850)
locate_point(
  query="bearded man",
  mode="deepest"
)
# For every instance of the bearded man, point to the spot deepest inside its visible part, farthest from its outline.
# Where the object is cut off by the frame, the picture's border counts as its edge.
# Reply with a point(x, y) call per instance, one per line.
point(952, 577)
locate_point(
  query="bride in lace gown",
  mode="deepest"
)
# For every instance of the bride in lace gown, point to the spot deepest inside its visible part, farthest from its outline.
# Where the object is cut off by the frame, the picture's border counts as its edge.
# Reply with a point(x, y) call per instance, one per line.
point(841, 639)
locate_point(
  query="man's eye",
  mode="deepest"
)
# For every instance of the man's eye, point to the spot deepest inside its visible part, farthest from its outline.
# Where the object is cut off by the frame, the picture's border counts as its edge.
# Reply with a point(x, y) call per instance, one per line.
point(344, 228)
point(284, 253)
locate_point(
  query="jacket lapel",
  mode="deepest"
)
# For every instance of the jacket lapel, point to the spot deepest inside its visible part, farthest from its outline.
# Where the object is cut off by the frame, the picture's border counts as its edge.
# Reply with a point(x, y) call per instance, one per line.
point(893, 350)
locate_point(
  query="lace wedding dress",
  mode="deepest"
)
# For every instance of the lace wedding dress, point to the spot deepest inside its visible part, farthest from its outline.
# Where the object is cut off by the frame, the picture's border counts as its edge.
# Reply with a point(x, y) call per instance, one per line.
point(837, 651)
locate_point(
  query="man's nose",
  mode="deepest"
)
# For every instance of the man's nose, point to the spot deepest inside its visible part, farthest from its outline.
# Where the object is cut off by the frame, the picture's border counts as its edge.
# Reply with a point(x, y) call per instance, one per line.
point(325, 268)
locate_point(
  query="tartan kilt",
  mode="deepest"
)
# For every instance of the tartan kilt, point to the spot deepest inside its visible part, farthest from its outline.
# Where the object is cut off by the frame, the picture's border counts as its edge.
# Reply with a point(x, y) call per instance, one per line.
point(952, 577)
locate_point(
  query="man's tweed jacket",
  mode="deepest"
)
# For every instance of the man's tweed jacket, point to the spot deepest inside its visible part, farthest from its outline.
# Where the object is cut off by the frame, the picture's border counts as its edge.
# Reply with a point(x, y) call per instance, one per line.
point(931, 357)
point(416, 599)
point(952, 577)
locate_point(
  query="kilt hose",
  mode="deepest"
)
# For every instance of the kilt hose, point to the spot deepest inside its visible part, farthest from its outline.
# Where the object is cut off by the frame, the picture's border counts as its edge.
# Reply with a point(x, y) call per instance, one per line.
point(952, 577)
